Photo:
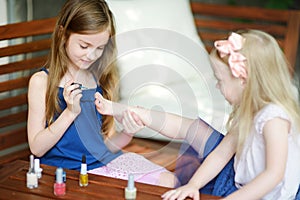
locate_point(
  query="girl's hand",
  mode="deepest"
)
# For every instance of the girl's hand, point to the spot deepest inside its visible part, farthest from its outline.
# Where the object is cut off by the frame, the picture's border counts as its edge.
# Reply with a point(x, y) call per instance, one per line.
point(103, 106)
point(131, 122)
point(72, 95)
point(182, 192)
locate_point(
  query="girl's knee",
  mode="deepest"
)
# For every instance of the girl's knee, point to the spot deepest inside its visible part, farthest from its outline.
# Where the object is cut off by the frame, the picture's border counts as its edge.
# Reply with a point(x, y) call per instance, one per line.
point(167, 179)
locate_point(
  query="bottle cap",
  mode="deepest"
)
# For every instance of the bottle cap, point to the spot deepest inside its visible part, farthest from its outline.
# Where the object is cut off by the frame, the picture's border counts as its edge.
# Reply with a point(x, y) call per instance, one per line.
point(59, 175)
point(83, 169)
point(130, 184)
point(37, 165)
point(31, 167)
point(83, 159)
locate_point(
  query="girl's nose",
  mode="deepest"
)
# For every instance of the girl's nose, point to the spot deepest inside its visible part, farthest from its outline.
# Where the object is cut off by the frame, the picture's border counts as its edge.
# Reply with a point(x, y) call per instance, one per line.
point(91, 54)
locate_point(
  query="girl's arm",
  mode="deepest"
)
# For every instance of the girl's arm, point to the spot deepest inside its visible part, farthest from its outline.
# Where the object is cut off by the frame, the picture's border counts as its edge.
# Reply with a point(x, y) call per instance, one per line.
point(170, 125)
point(275, 133)
point(42, 139)
point(208, 170)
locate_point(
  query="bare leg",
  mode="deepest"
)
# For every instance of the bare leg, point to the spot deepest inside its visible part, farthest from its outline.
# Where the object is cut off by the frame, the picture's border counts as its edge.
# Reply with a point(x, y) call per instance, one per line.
point(200, 140)
point(167, 179)
point(197, 136)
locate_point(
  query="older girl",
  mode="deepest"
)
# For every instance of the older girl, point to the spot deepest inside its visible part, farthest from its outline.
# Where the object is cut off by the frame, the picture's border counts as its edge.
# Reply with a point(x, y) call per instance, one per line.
point(63, 124)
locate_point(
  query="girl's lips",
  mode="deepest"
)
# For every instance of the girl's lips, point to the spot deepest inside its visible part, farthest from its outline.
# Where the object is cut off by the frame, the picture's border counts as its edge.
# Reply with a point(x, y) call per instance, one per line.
point(85, 63)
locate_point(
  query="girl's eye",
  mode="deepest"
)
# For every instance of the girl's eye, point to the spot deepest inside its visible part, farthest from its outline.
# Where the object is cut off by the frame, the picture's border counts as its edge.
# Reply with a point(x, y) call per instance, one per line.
point(83, 47)
point(100, 48)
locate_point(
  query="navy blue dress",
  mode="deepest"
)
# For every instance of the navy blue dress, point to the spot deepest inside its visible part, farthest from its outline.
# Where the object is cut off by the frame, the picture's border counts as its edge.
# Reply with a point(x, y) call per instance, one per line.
point(82, 137)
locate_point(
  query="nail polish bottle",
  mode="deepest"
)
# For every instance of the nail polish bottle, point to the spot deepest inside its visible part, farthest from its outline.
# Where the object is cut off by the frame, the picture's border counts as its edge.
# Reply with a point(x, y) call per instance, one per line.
point(31, 177)
point(59, 185)
point(83, 177)
point(38, 170)
point(130, 190)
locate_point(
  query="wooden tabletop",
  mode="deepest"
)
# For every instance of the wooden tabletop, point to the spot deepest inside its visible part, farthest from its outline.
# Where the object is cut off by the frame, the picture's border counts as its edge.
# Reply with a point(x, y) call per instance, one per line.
point(13, 185)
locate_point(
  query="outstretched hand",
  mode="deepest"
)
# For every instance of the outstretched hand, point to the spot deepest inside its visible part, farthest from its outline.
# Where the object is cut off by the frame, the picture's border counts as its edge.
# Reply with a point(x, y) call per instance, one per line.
point(181, 193)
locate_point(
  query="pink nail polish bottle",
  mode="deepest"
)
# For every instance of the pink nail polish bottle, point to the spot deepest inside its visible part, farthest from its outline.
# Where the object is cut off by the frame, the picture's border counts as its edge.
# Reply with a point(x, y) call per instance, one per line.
point(59, 185)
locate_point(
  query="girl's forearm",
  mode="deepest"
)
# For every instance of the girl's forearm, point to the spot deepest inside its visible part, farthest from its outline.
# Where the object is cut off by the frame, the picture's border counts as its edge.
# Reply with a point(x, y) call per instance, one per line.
point(47, 138)
point(208, 170)
point(168, 124)
point(257, 188)
point(215, 162)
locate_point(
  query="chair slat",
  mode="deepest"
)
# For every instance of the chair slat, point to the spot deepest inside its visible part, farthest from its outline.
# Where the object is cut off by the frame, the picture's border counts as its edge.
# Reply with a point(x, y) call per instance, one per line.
point(274, 29)
point(29, 47)
point(32, 63)
point(11, 102)
point(24, 29)
point(13, 119)
point(13, 138)
point(14, 84)
point(245, 12)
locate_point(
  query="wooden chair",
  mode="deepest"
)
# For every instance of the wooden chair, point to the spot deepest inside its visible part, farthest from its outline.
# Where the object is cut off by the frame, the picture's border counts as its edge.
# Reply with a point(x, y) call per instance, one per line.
point(28, 42)
point(216, 21)
point(24, 52)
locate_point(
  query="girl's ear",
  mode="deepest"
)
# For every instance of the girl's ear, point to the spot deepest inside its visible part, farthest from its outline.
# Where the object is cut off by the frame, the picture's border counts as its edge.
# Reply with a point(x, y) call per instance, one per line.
point(243, 82)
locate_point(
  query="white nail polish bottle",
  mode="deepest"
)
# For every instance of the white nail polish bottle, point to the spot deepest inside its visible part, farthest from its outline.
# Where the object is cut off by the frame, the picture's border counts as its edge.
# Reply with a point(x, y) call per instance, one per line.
point(31, 177)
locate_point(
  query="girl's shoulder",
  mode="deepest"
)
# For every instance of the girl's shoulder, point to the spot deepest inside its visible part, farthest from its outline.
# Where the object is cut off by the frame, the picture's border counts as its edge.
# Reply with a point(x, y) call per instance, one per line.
point(269, 112)
point(38, 79)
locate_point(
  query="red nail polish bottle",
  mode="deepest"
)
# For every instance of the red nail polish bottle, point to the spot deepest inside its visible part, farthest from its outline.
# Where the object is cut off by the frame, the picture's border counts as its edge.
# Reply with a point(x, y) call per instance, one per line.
point(59, 185)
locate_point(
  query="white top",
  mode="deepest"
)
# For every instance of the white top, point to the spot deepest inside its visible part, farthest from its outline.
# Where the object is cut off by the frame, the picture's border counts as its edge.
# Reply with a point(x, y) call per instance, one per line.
point(252, 159)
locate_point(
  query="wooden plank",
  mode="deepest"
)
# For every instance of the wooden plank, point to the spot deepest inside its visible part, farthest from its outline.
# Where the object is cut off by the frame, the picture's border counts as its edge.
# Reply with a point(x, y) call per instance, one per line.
point(13, 119)
point(17, 155)
point(30, 28)
point(32, 63)
point(216, 24)
point(20, 195)
point(28, 47)
point(14, 84)
point(13, 138)
point(13, 101)
point(246, 12)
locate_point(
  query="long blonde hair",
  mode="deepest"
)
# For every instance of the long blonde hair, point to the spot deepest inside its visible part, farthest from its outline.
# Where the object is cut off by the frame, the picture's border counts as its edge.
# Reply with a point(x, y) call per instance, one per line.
point(268, 82)
point(82, 17)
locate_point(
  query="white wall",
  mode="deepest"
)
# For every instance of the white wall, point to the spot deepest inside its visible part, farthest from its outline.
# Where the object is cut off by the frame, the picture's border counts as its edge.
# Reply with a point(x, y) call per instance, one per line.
point(3, 20)
point(3, 12)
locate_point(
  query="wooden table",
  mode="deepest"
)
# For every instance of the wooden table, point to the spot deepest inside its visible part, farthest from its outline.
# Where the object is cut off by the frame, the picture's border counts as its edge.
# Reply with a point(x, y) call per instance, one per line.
point(13, 185)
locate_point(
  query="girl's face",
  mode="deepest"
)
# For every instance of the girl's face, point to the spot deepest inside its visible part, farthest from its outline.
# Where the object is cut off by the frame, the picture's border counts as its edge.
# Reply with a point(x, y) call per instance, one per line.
point(84, 49)
point(231, 87)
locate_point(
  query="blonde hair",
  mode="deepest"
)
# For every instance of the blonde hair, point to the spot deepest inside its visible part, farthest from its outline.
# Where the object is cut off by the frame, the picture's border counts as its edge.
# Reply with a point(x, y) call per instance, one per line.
point(268, 82)
point(82, 17)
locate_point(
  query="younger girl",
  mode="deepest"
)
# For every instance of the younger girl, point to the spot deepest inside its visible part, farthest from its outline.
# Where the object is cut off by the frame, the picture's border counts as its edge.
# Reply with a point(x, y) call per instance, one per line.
point(63, 124)
point(263, 128)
